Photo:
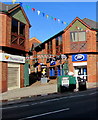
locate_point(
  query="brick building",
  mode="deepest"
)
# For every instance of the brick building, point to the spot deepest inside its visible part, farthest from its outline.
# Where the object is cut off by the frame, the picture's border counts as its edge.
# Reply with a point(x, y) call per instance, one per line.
point(33, 42)
point(73, 49)
point(14, 38)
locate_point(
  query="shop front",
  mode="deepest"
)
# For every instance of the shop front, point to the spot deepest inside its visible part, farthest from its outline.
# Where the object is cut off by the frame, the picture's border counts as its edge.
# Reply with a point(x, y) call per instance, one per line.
point(79, 62)
point(14, 70)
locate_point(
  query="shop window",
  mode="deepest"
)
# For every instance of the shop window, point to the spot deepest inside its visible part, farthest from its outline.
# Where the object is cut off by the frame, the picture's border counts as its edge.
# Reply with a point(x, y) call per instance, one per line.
point(78, 36)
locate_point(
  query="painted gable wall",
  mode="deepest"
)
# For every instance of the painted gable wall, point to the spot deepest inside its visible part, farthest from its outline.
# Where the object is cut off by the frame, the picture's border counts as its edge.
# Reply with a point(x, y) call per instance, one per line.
point(17, 14)
point(77, 24)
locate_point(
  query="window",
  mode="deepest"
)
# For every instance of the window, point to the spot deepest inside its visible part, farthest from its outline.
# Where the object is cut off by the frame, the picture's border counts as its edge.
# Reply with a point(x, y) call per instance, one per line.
point(59, 44)
point(59, 40)
point(14, 26)
point(18, 33)
point(18, 27)
point(22, 29)
point(49, 47)
point(78, 36)
point(97, 37)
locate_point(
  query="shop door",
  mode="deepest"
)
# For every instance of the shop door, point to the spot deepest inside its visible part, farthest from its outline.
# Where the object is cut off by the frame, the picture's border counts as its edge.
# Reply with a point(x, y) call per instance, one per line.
point(81, 72)
point(13, 77)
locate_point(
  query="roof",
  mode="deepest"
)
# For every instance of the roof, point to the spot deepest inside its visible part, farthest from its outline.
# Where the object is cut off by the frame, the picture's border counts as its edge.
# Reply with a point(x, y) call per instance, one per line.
point(91, 23)
point(6, 7)
point(35, 39)
point(54, 36)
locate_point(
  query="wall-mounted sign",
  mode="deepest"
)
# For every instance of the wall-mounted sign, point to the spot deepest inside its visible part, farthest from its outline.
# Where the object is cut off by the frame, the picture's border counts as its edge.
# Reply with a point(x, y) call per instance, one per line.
point(11, 58)
point(65, 81)
point(79, 57)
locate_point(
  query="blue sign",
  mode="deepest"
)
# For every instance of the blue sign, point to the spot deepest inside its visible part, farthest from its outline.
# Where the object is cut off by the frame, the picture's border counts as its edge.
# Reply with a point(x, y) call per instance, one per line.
point(79, 57)
point(52, 63)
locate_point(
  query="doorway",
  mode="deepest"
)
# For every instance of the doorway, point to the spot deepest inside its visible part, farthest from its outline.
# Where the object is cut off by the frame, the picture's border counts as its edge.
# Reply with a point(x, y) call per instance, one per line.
point(81, 71)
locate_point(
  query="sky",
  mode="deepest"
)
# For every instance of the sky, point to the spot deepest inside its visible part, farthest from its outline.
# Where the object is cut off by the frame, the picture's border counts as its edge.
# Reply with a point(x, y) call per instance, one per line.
point(43, 28)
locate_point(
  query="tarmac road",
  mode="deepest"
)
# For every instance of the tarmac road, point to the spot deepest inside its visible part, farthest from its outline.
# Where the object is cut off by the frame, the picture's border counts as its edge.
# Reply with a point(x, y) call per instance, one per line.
point(78, 106)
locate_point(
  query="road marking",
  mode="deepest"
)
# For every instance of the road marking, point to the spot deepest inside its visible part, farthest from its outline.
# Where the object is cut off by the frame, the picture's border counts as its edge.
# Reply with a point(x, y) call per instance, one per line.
point(14, 107)
point(93, 93)
point(51, 100)
point(48, 113)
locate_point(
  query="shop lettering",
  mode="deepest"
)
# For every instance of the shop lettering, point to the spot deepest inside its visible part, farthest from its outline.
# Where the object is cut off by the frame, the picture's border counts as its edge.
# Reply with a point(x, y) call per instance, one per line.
point(16, 59)
point(79, 57)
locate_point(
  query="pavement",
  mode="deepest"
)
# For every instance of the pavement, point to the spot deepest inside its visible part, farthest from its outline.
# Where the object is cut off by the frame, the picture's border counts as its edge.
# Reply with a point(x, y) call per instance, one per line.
point(36, 89)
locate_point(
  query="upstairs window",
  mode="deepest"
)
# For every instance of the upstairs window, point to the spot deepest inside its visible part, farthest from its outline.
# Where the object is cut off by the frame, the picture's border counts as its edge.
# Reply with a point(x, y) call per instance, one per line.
point(49, 47)
point(59, 44)
point(22, 29)
point(78, 36)
point(14, 26)
point(97, 36)
point(18, 33)
point(59, 40)
point(18, 27)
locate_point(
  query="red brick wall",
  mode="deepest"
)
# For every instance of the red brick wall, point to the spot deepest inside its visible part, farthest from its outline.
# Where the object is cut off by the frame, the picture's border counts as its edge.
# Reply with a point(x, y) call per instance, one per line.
point(91, 68)
point(27, 37)
point(54, 46)
point(3, 30)
point(3, 76)
point(70, 64)
point(8, 29)
point(97, 69)
point(66, 42)
point(91, 41)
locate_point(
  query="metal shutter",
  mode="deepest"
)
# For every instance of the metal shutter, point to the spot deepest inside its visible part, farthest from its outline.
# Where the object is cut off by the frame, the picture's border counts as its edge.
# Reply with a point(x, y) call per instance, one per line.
point(13, 77)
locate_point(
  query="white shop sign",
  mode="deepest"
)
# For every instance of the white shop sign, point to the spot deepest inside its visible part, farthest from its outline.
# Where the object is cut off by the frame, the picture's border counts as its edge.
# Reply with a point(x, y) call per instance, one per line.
point(65, 81)
point(11, 58)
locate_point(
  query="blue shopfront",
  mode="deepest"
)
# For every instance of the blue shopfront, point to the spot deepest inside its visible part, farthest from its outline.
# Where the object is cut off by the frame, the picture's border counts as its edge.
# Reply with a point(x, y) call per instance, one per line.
point(80, 65)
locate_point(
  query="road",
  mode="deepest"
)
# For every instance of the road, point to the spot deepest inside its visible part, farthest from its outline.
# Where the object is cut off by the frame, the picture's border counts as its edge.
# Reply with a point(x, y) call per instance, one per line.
point(76, 106)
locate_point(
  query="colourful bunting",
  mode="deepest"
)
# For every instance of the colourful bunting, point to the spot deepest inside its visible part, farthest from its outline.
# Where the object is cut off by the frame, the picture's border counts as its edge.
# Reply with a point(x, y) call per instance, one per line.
point(38, 12)
point(13, 1)
point(51, 17)
point(54, 18)
point(33, 9)
point(43, 14)
point(27, 6)
point(20, 4)
point(47, 16)
point(64, 22)
point(58, 20)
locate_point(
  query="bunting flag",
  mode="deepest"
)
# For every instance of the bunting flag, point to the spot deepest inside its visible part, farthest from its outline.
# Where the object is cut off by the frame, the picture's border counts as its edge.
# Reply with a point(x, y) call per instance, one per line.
point(13, 1)
point(33, 9)
point(20, 4)
point(38, 12)
point(45, 15)
point(27, 6)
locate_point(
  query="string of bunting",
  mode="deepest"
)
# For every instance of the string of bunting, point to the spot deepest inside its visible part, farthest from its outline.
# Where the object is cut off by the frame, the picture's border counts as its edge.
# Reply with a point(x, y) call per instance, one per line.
point(43, 14)
point(46, 15)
